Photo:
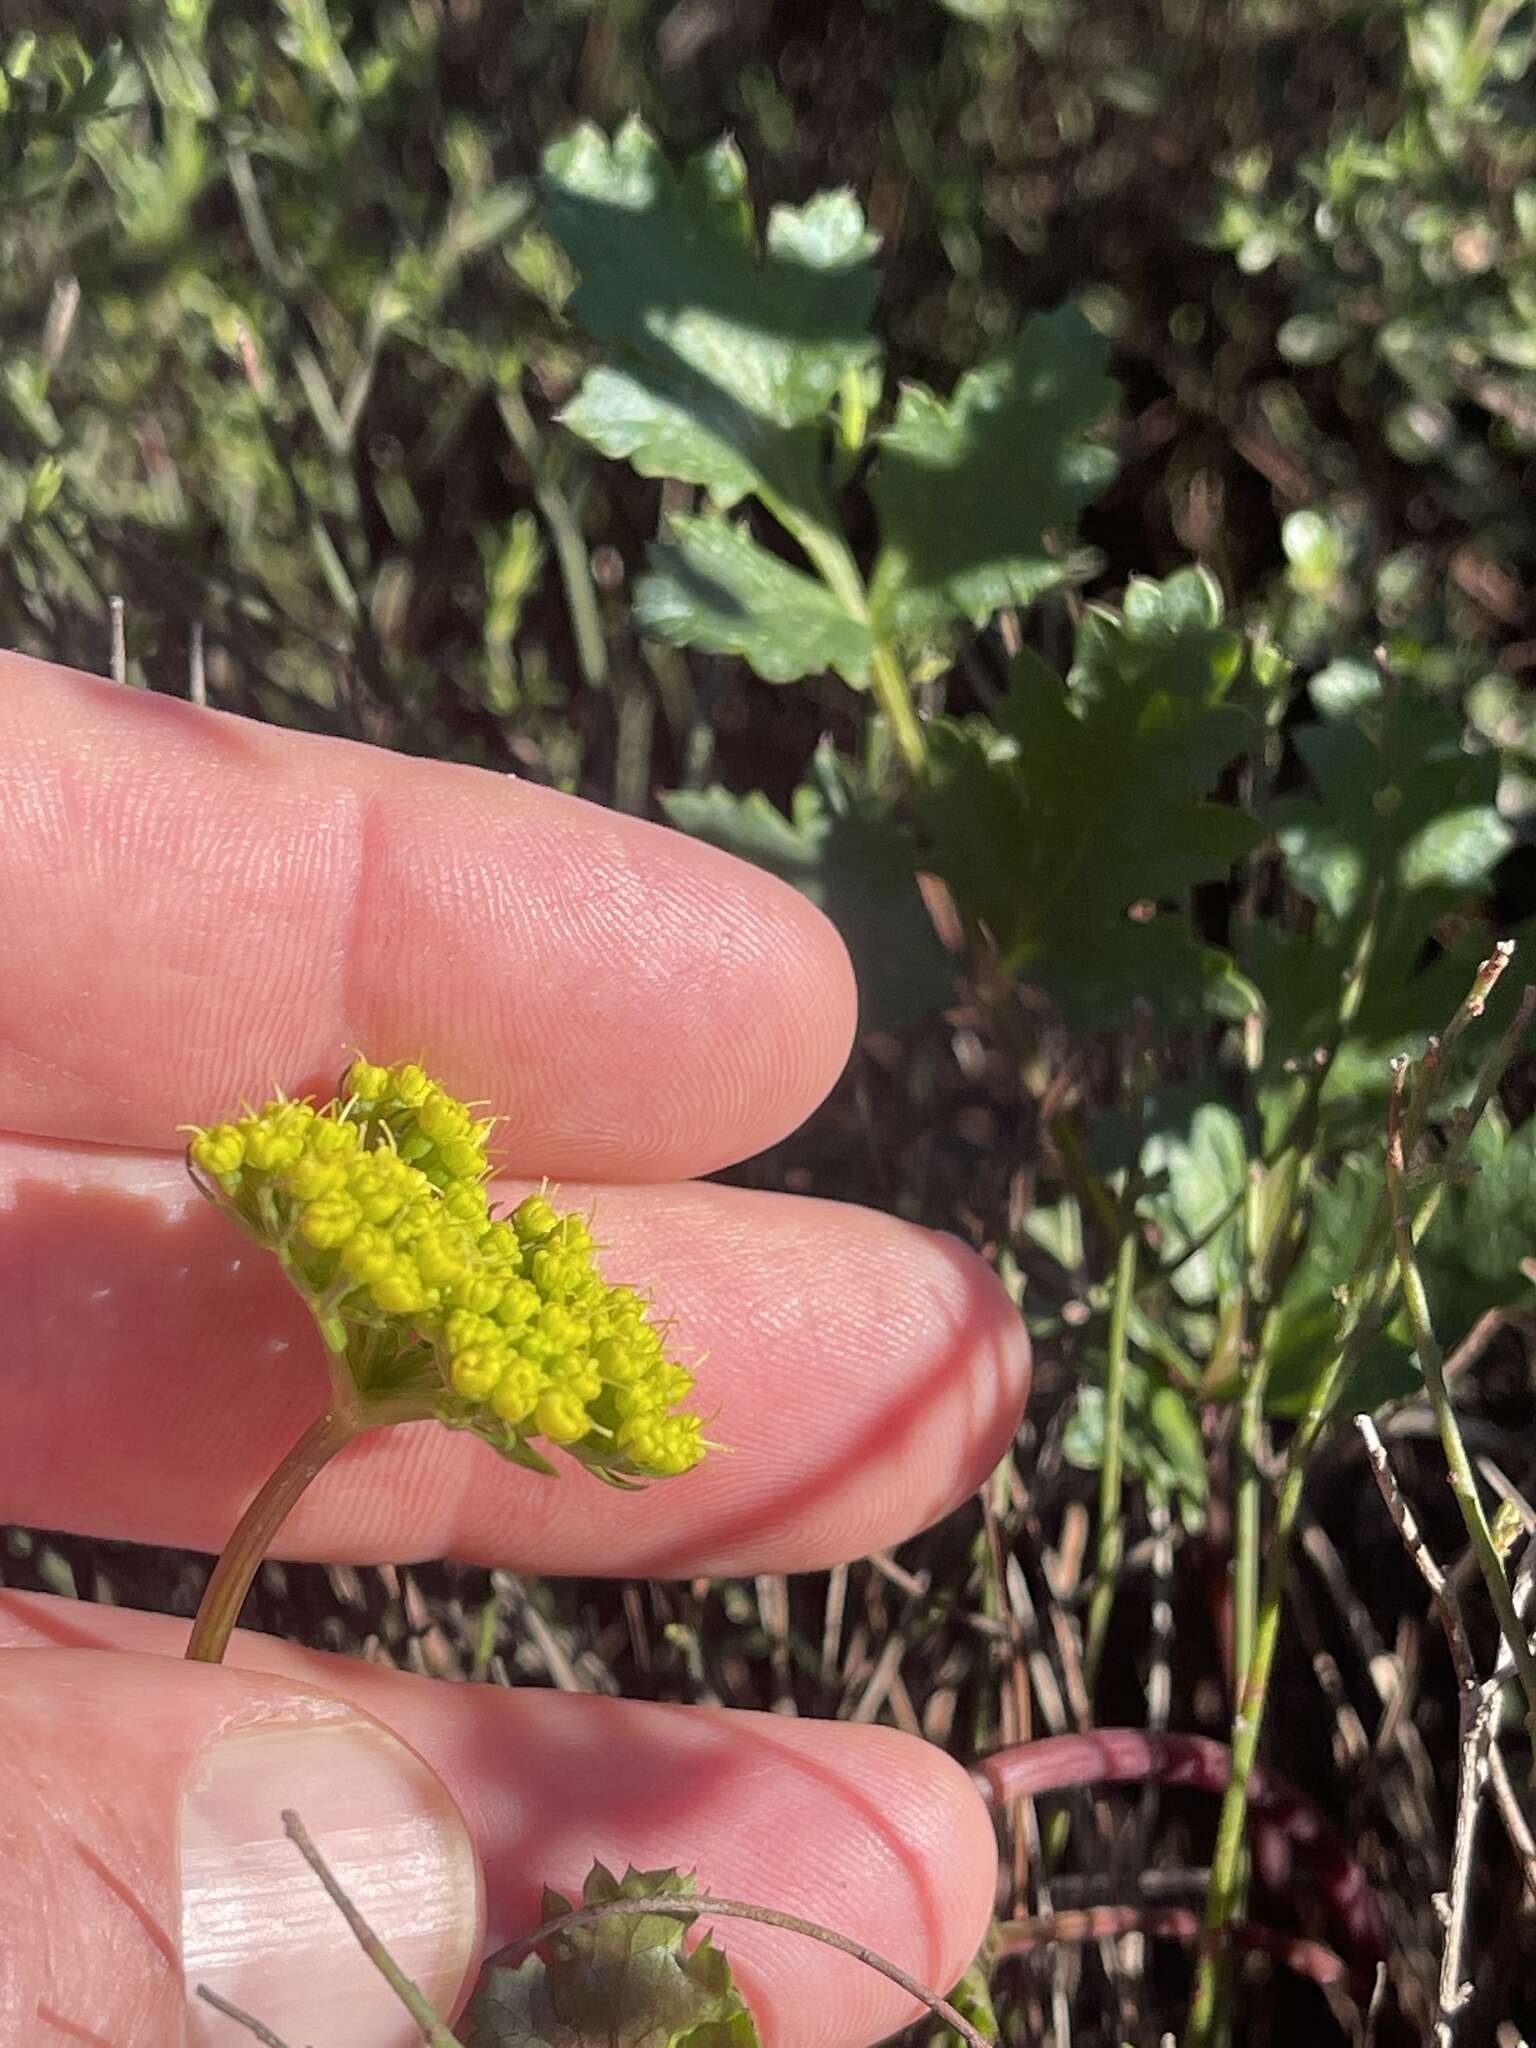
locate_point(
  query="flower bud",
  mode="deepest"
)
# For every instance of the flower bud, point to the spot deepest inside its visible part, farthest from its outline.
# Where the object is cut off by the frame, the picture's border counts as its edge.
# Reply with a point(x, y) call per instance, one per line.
point(502, 1325)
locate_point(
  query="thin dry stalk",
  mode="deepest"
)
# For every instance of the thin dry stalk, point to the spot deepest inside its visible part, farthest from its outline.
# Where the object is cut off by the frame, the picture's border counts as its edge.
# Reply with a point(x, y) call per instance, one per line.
point(119, 642)
point(1512, 1813)
point(1476, 1708)
point(253, 2026)
point(1431, 1360)
point(433, 2031)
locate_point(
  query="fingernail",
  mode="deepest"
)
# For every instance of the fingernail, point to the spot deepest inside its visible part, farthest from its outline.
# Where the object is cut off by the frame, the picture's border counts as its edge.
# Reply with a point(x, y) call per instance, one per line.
point(256, 1925)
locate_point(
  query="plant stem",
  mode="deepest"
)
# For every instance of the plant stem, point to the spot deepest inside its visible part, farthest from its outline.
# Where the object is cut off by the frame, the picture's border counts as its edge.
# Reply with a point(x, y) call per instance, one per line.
point(433, 2031)
point(1258, 1600)
point(889, 683)
point(1224, 1899)
point(1248, 1505)
point(1111, 1534)
point(242, 2018)
point(560, 518)
point(1248, 1526)
point(1368, 1298)
point(834, 563)
point(224, 1595)
point(1143, 1756)
point(1432, 1361)
point(1228, 1885)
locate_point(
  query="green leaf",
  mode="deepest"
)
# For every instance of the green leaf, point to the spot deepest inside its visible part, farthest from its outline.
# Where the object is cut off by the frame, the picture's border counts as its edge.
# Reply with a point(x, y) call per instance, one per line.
point(1470, 1259)
point(968, 490)
point(1076, 831)
point(732, 353)
point(842, 848)
point(972, 1999)
point(1429, 812)
point(623, 419)
point(626, 1981)
point(1161, 1444)
point(1458, 850)
point(1305, 1336)
point(712, 586)
point(1471, 1254)
point(1408, 797)
point(1202, 1173)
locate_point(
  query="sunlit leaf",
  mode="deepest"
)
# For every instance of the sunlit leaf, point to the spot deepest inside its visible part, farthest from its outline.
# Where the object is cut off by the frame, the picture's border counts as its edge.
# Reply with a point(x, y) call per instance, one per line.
point(1199, 1175)
point(730, 349)
point(968, 489)
point(1400, 796)
point(712, 586)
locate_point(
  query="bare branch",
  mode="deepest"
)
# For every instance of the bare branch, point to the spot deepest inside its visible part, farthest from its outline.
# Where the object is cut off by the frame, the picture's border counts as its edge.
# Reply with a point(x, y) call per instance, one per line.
point(1476, 1707)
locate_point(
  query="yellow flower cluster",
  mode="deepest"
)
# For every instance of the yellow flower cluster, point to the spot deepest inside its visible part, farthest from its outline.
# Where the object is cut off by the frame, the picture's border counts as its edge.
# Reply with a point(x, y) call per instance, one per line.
point(377, 1205)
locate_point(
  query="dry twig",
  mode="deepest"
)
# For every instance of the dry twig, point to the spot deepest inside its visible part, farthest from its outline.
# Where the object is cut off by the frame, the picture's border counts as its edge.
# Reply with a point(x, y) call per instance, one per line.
point(1475, 1710)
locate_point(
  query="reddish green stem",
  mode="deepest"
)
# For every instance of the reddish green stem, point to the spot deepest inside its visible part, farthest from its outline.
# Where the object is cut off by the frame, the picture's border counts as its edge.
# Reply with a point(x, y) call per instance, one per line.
point(224, 1595)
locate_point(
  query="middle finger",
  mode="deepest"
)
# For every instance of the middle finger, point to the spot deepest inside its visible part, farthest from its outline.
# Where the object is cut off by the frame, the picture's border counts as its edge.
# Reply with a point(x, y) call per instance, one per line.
point(865, 1375)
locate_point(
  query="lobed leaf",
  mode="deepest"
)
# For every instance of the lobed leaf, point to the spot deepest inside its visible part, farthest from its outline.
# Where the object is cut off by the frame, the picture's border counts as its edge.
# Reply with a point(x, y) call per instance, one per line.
point(1161, 1445)
point(1474, 1253)
point(625, 1981)
point(622, 418)
point(1198, 1174)
point(727, 348)
point(712, 586)
point(969, 489)
point(1305, 1336)
point(1077, 830)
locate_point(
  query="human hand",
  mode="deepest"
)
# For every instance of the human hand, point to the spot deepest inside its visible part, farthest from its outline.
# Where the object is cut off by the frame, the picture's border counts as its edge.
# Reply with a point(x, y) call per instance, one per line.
point(196, 906)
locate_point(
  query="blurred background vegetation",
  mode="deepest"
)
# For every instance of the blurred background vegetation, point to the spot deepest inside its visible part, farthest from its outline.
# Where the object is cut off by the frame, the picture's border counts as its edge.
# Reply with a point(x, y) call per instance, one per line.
point(283, 334)
point(283, 340)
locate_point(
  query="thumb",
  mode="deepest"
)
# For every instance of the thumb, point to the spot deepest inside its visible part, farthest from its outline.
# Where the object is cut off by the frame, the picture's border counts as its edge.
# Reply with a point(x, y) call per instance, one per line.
point(142, 1853)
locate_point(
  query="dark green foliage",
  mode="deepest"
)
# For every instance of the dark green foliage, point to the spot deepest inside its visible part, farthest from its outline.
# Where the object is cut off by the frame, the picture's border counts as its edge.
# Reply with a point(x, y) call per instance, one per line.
point(1400, 828)
point(713, 587)
point(1477, 1253)
point(968, 492)
point(722, 353)
point(725, 360)
point(842, 847)
point(1075, 829)
point(1404, 246)
point(1304, 1336)
point(48, 93)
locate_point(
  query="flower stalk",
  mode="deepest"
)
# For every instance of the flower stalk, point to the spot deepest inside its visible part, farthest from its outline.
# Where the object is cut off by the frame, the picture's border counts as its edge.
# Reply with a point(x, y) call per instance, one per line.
point(241, 1557)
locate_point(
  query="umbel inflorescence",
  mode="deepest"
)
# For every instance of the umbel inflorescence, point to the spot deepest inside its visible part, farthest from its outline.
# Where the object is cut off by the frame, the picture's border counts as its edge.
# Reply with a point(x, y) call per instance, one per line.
point(377, 1206)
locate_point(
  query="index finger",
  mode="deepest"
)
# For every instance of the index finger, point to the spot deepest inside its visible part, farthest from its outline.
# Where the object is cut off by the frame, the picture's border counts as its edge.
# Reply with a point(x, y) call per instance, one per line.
point(197, 907)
